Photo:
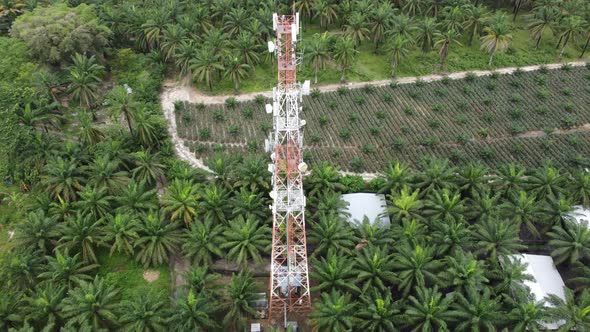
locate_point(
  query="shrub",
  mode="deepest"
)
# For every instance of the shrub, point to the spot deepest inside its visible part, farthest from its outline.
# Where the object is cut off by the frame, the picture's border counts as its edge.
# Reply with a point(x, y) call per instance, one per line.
point(567, 91)
point(259, 99)
point(437, 107)
point(344, 134)
point(409, 110)
point(205, 133)
point(360, 100)
point(487, 153)
point(516, 98)
point(368, 88)
point(483, 132)
point(375, 131)
point(179, 106)
point(387, 97)
point(441, 91)
point(218, 115)
point(434, 123)
point(516, 113)
point(265, 126)
point(543, 69)
point(398, 143)
point(353, 117)
point(393, 84)
point(543, 94)
point(445, 80)
point(315, 138)
point(518, 72)
point(516, 129)
point(461, 119)
point(541, 110)
point(336, 153)
point(566, 67)
point(201, 106)
point(467, 89)
point(200, 148)
point(515, 83)
point(332, 104)
point(517, 148)
point(569, 121)
point(342, 90)
point(488, 117)
point(234, 130)
point(405, 129)
point(541, 80)
point(231, 102)
point(368, 148)
point(353, 183)
point(187, 117)
point(247, 112)
point(415, 94)
point(380, 115)
point(430, 141)
point(492, 85)
point(494, 75)
point(463, 138)
point(323, 120)
point(420, 82)
point(357, 164)
point(573, 140)
point(470, 77)
point(568, 106)
point(315, 93)
point(457, 155)
point(462, 106)
point(487, 101)
point(252, 146)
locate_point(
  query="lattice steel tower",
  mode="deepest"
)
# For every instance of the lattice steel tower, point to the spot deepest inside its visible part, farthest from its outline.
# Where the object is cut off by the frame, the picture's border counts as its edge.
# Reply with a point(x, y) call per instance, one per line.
point(289, 281)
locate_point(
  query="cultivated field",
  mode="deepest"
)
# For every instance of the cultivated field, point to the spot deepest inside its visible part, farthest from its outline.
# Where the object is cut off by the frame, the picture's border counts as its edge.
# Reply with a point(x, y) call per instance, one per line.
point(526, 117)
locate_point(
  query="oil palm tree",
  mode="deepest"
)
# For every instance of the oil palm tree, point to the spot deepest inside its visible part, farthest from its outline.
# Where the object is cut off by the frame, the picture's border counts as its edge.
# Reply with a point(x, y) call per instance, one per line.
point(405, 204)
point(317, 53)
point(121, 233)
point(497, 37)
point(324, 178)
point(173, 36)
point(136, 198)
point(148, 167)
point(510, 179)
point(475, 18)
point(452, 237)
point(236, 69)
point(378, 313)
point(539, 20)
point(93, 302)
point(181, 201)
point(380, 22)
point(305, 8)
point(119, 101)
point(94, 202)
point(335, 271)
point(325, 11)
point(43, 305)
point(234, 22)
point(454, 18)
point(333, 312)
point(437, 174)
point(194, 313)
point(526, 314)
point(398, 48)
point(546, 182)
point(571, 28)
point(144, 314)
point(524, 208)
point(428, 310)
point(10, 309)
point(201, 281)
point(444, 41)
point(206, 66)
point(82, 233)
point(38, 232)
point(374, 268)
point(477, 310)
point(573, 311)
point(570, 243)
point(372, 233)
point(186, 51)
point(64, 269)
point(204, 241)
point(213, 203)
point(85, 77)
point(62, 178)
point(509, 275)
point(497, 238)
point(426, 31)
point(416, 267)
point(22, 269)
point(145, 129)
point(331, 232)
point(396, 176)
point(246, 240)
point(356, 28)
point(473, 179)
point(444, 205)
point(88, 133)
point(580, 188)
point(403, 25)
point(413, 8)
point(248, 203)
point(240, 292)
point(248, 48)
point(105, 172)
point(344, 54)
point(463, 271)
point(252, 174)
point(158, 238)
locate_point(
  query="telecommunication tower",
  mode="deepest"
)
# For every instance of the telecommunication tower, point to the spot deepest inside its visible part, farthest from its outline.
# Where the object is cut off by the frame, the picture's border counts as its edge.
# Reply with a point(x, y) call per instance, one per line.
point(289, 281)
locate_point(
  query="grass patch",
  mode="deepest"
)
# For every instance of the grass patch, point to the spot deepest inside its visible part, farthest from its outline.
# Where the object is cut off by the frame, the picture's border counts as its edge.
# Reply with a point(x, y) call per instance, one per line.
point(127, 275)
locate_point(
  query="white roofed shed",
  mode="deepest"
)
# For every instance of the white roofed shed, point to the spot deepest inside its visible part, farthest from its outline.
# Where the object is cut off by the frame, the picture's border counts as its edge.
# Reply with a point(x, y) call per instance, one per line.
point(373, 206)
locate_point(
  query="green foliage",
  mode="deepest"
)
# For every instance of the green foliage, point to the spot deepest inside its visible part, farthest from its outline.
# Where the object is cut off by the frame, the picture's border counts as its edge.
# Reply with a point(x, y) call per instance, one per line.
point(54, 33)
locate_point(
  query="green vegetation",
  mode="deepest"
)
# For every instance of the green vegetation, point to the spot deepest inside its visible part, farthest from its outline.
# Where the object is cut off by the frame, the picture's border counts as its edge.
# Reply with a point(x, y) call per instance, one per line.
point(494, 120)
point(99, 209)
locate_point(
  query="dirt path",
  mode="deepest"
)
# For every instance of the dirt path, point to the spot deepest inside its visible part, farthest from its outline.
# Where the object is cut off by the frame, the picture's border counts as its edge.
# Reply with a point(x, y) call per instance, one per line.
point(173, 91)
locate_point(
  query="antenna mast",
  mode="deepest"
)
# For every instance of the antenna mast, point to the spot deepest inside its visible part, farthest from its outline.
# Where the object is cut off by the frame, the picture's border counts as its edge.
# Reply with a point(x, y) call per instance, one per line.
point(289, 281)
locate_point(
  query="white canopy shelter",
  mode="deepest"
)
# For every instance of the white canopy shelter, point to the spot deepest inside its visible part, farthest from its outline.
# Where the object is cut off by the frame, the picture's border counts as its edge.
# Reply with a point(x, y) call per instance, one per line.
point(373, 206)
point(547, 279)
point(580, 214)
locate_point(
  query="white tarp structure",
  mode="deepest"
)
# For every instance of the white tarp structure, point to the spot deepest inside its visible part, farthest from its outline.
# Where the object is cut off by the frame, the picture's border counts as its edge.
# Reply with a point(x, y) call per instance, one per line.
point(373, 206)
point(580, 214)
point(547, 279)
